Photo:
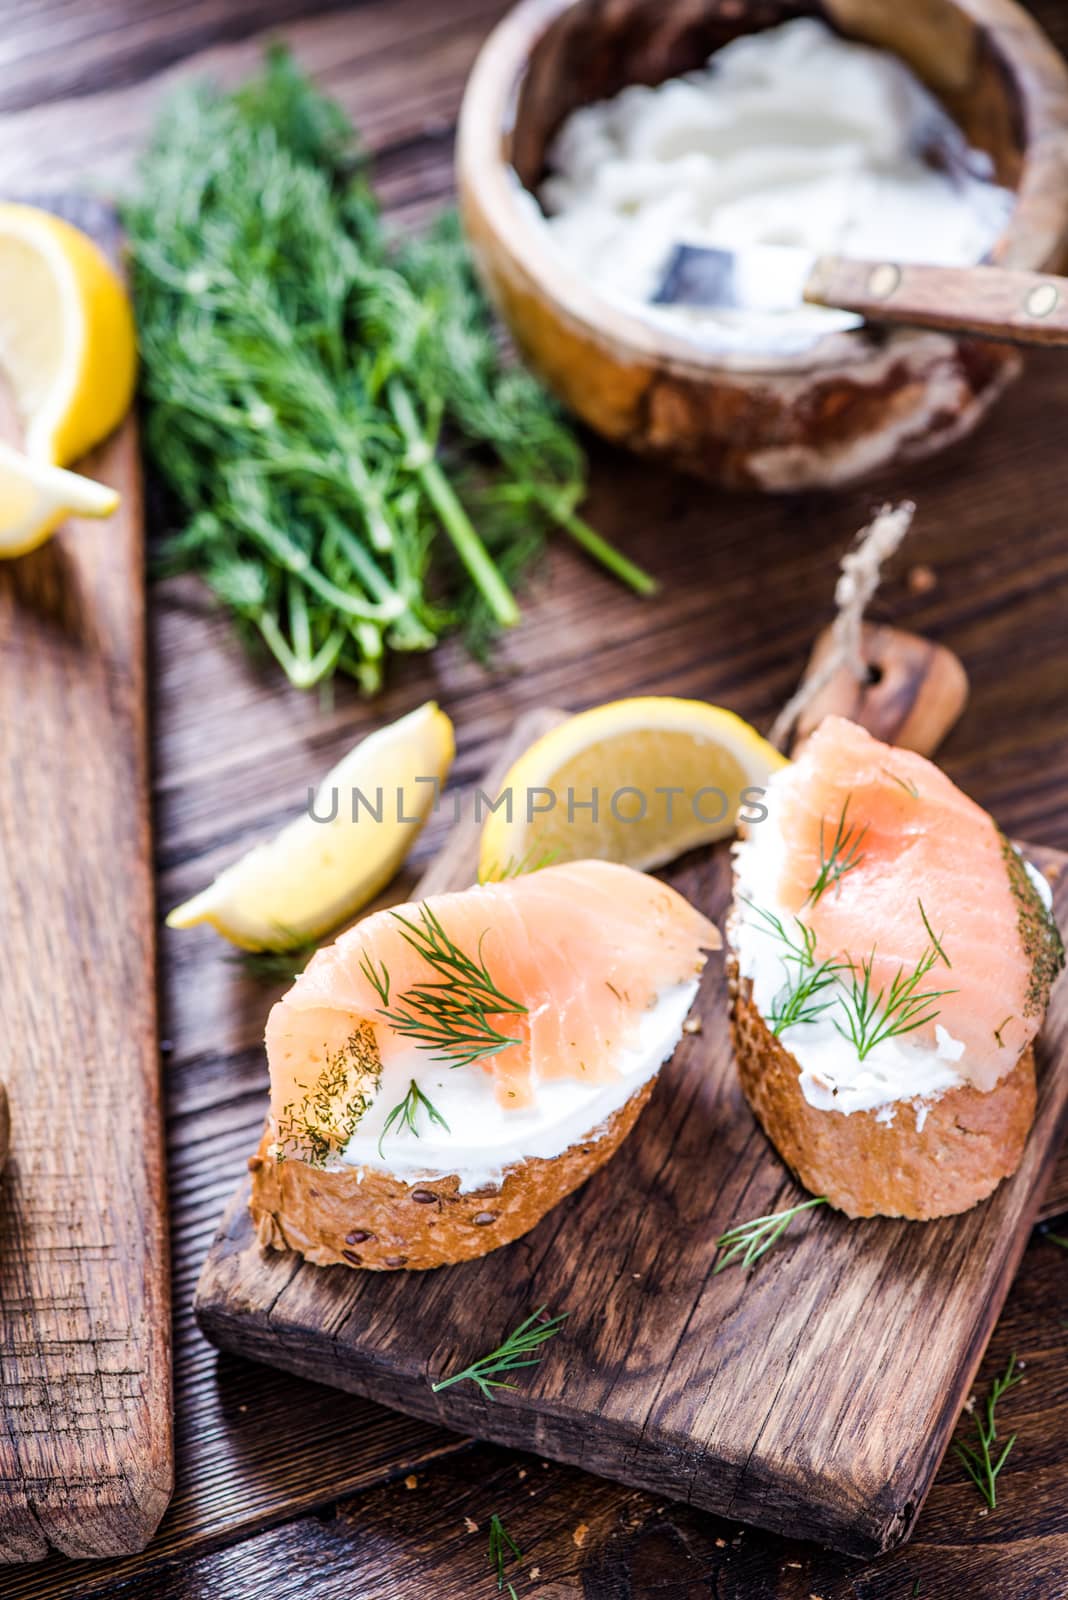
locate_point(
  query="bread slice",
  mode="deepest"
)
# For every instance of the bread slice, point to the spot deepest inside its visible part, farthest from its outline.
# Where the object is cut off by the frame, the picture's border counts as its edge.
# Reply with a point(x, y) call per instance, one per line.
point(936, 1165)
point(364, 1217)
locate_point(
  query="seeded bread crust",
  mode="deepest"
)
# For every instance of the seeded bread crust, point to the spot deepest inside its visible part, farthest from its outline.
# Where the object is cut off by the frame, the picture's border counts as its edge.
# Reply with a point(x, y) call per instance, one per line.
point(968, 1143)
point(363, 1217)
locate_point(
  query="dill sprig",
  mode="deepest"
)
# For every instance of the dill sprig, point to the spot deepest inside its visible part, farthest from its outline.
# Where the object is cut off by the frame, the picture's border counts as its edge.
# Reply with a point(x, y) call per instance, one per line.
point(798, 1001)
point(532, 860)
point(874, 1015)
point(803, 952)
point(843, 855)
point(404, 1114)
point(451, 1016)
point(329, 414)
point(502, 1549)
point(275, 966)
point(978, 1461)
point(909, 787)
point(750, 1240)
point(518, 1350)
point(936, 939)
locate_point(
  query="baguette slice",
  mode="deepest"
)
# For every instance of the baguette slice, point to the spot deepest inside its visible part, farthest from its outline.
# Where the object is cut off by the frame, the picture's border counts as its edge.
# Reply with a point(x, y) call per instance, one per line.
point(933, 1160)
point(359, 1218)
point(591, 969)
point(902, 1083)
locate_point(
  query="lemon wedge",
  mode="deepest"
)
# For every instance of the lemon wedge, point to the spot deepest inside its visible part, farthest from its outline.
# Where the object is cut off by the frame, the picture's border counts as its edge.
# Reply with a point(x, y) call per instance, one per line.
point(67, 341)
point(323, 867)
point(636, 781)
point(35, 499)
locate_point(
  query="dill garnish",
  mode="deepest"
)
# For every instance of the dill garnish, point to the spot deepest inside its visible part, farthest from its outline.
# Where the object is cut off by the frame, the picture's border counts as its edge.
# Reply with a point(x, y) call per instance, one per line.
point(532, 860)
point(844, 854)
point(451, 1016)
point(935, 940)
point(909, 787)
point(331, 414)
point(997, 1030)
point(405, 1112)
point(872, 1017)
point(797, 1000)
point(516, 1351)
point(502, 1549)
point(322, 1122)
point(805, 952)
point(274, 966)
point(750, 1240)
point(977, 1460)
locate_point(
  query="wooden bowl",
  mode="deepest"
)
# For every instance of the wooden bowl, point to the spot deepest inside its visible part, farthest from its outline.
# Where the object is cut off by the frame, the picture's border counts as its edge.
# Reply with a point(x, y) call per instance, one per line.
point(851, 403)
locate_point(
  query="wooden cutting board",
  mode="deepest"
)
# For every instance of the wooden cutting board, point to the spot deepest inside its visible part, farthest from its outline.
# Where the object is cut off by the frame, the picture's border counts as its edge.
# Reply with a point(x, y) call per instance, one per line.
point(85, 1431)
point(814, 1396)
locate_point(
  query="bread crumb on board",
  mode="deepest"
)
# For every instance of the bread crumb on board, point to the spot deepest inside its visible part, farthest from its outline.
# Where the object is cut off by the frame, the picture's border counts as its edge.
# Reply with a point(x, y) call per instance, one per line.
point(580, 1534)
point(692, 1025)
point(470, 1524)
point(411, 1481)
point(922, 578)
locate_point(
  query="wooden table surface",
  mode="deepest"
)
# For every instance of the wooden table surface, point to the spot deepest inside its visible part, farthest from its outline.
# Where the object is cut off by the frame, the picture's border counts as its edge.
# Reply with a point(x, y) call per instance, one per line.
point(287, 1488)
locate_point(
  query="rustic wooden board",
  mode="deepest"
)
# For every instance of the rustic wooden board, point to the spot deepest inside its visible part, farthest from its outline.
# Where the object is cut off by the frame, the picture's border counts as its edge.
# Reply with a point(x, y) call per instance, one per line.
point(792, 1398)
point(86, 1462)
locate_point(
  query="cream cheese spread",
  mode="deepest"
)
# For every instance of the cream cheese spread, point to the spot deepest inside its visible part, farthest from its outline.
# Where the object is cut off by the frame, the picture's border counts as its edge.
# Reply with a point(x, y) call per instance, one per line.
point(483, 1137)
point(791, 136)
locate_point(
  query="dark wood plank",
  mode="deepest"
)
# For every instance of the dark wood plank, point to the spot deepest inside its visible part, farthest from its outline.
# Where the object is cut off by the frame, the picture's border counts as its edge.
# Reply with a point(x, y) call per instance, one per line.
point(718, 1389)
point(86, 1459)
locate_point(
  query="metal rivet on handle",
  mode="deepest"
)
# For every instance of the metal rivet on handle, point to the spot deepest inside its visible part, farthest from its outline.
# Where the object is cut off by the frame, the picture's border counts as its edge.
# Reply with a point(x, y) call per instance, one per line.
point(1041, 300)
point(883, 281)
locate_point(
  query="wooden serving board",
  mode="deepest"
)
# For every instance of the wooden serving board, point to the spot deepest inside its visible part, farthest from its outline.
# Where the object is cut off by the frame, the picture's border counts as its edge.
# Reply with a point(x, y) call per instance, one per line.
point(85, 1381)
point(814, 1396)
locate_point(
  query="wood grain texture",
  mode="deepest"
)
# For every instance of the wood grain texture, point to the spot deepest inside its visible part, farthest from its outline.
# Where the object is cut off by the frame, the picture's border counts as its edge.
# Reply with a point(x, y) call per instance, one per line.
point(745, 586)
point(738, 1395)
point(86, 1461)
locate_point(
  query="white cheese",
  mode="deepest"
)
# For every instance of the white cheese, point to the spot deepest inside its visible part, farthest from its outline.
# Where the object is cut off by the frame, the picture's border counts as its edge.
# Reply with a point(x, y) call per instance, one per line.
point(792, 136)
point(483, 1137)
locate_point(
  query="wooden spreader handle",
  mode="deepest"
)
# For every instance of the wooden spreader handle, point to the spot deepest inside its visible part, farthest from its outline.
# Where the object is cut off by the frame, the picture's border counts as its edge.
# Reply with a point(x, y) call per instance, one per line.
point(993, 302)
point(914, 693)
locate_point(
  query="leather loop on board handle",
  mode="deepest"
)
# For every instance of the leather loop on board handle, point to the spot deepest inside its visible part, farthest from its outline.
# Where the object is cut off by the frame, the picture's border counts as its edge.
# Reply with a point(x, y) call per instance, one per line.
point(915, 693)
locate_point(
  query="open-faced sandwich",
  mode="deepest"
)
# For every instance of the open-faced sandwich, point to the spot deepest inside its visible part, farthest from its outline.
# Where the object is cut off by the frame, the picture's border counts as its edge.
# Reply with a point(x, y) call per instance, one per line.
point(447, 1071)
point(891, 957)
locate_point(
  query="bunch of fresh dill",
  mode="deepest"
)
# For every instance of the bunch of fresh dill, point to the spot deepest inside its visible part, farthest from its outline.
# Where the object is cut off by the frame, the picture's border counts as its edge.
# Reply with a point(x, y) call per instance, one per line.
point(332, 416)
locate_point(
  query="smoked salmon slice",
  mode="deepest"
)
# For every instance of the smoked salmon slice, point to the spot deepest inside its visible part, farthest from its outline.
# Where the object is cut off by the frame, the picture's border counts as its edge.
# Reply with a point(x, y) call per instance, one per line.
point(568, 959)
point(891, 866)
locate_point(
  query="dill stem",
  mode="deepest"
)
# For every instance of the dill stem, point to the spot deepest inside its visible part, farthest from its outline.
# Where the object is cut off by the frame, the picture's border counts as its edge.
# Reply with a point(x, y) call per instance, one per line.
point(302, 674)
point(596, 545)
point(454, 519)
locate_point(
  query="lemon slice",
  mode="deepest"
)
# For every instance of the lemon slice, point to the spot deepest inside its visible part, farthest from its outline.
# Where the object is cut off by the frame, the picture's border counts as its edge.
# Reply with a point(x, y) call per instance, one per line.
point(637, 781)
point(67, 342)
point(323, 867)
point(35, 499)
